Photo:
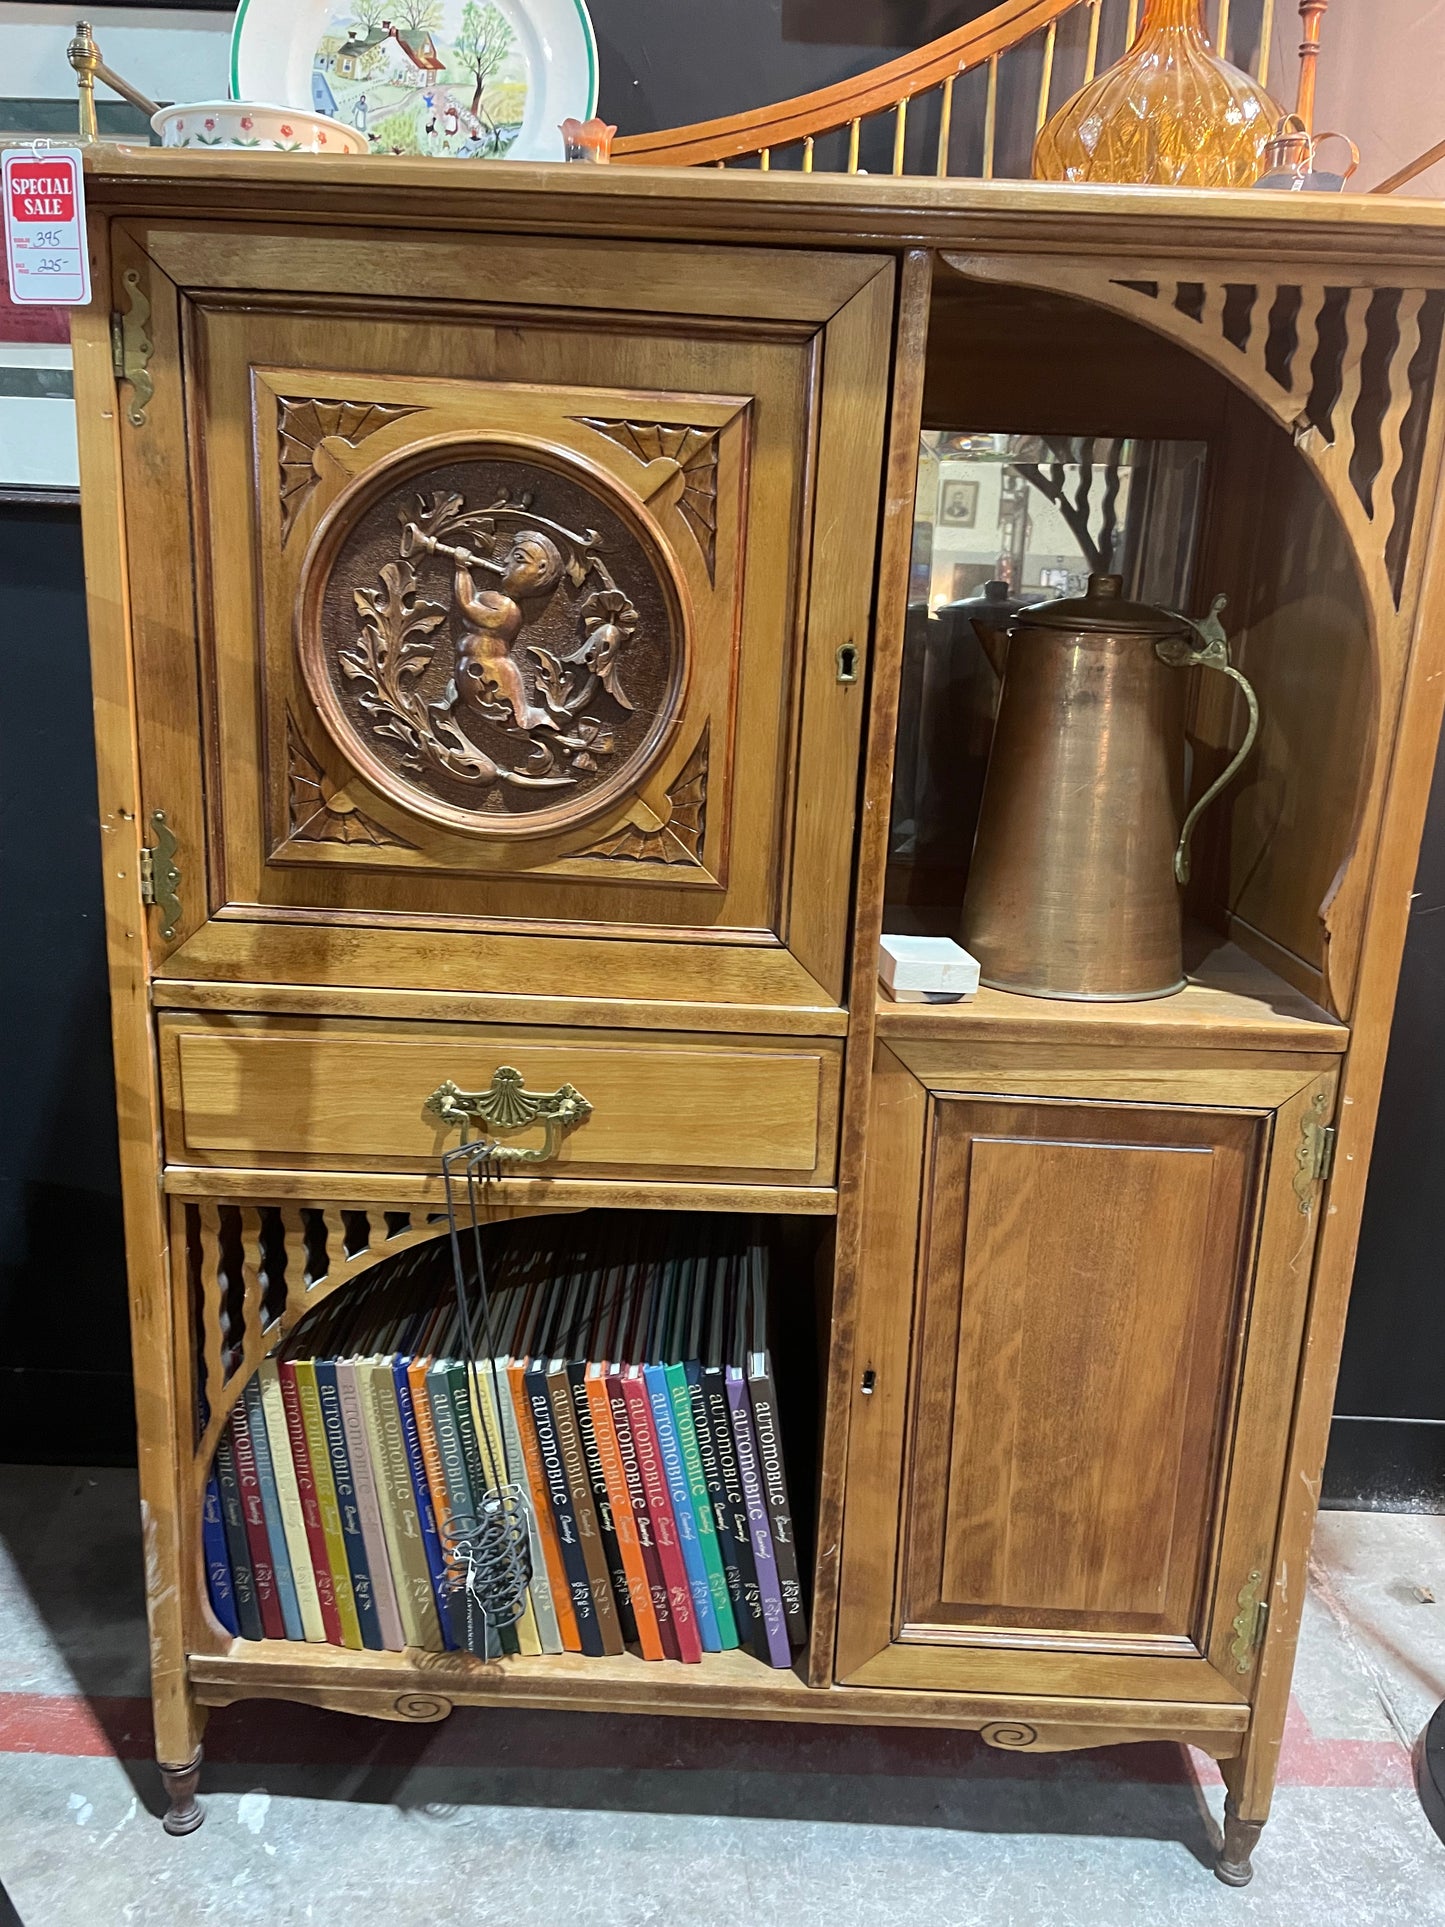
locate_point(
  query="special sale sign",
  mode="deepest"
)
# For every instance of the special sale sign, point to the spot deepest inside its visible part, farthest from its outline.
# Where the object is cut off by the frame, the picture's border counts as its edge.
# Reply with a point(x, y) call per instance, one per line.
point(44, 202)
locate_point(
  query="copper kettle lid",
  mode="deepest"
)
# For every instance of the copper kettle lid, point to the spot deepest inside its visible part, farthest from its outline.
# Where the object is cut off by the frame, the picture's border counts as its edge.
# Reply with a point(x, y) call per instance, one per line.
point(1104, 608)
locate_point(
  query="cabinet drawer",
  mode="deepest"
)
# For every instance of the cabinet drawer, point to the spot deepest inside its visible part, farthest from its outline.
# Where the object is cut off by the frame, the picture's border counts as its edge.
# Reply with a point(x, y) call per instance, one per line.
point(346, 1095)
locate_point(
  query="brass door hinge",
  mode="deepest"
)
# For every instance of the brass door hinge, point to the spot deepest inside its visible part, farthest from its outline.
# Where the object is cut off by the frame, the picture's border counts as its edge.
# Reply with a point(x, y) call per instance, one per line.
point(131, 348)
point(1315, 1158)
point(1249, 1623)
point(160, 879)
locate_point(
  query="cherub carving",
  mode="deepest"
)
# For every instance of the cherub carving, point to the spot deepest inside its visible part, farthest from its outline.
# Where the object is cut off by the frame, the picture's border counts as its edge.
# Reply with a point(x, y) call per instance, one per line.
point(503, 586)
point(486, 670)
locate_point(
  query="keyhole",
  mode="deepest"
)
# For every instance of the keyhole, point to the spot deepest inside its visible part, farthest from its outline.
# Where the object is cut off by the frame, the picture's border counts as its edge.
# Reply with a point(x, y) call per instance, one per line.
point(848, 662)
point(870, 1380)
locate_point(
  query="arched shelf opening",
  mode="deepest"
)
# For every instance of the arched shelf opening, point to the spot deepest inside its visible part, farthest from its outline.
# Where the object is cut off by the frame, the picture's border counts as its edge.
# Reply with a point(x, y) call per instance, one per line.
point(1313, 404)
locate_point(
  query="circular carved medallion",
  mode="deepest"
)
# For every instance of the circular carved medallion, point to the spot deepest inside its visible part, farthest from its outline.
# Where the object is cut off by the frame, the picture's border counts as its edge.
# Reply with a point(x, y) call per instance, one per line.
point(493, 636)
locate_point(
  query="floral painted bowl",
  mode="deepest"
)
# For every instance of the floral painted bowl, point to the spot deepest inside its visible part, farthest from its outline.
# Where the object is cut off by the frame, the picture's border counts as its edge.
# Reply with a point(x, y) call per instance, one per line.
point(246, 123)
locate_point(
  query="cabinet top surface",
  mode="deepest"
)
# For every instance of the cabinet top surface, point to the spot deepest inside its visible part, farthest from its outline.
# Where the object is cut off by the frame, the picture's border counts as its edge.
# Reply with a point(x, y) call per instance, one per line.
point(735, 204)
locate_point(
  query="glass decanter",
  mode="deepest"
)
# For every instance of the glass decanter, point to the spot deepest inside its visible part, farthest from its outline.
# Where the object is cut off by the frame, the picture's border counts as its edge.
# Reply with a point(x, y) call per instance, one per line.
point(1170, 113)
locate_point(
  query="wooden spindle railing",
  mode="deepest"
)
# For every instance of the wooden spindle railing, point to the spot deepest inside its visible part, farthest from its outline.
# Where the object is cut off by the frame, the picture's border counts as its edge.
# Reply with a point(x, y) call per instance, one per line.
point(929, 77)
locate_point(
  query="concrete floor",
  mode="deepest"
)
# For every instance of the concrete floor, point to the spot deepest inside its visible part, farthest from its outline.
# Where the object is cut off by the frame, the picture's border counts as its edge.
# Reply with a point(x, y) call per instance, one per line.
point(539, 1820)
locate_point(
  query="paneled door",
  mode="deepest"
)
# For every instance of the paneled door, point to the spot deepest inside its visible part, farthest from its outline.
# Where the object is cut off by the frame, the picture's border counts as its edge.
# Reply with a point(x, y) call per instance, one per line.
point(527, 591)
point(1066, 1436)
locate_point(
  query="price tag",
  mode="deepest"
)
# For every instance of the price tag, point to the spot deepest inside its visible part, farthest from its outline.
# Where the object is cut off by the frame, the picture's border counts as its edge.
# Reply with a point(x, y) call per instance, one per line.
point(45, 246)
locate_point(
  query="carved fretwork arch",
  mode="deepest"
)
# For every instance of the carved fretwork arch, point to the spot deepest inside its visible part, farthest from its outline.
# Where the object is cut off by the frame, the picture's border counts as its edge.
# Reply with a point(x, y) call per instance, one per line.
point(1347, 370)
point(256, 1270)
point(1346, 367)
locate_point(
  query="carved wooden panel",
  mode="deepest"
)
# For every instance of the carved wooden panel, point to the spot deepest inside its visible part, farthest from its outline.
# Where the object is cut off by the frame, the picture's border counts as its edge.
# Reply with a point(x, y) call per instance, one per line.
point(493, 637)
point(530, 640)
point(303, 425)
point(677, 838)
point(693, 451)
point(321, 811)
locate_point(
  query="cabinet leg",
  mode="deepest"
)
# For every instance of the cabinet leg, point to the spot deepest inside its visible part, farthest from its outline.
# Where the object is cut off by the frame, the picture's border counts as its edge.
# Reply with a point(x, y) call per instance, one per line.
point(1240, 1839)
point(185, 1812)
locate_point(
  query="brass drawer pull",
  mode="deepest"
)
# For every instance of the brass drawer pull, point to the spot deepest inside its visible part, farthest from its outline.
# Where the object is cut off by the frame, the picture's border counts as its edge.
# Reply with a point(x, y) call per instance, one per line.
point(506, 1106)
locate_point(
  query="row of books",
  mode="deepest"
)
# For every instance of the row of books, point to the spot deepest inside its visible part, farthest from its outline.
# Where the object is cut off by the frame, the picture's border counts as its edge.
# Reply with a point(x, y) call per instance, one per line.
point(625, 1387)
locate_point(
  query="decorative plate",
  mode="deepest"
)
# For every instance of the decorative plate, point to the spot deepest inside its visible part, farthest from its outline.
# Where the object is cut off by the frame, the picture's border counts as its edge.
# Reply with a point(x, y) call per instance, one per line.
point(475, 79)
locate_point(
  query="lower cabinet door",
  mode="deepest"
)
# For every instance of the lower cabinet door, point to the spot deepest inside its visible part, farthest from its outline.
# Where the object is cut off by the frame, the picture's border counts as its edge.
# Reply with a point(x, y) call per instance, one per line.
point(1078, 1332)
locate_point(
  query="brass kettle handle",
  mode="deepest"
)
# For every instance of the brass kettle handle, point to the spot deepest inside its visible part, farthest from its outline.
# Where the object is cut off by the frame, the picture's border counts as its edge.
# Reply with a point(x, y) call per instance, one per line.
point(506, 1106)
point(1210, 651)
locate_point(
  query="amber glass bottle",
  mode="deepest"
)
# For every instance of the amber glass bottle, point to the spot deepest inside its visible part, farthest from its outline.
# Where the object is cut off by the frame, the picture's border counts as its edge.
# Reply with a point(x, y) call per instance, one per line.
point(1171, 113)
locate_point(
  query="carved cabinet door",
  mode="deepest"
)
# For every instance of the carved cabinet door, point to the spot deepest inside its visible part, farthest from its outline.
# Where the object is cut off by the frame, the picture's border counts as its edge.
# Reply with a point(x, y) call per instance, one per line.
point(1066, 1439)
point(509, 586)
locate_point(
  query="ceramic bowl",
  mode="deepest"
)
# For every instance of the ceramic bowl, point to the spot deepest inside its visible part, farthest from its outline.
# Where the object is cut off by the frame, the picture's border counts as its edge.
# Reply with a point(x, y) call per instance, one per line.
point(245, 123)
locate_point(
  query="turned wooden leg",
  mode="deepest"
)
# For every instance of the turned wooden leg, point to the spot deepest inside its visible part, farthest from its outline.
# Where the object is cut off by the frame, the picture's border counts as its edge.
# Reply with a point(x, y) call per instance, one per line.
point(185, 1812)
point(1240, 1840)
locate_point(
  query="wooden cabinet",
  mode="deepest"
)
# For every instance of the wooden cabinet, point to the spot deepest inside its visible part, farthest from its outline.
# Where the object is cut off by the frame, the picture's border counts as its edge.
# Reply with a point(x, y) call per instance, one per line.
point(497, 584)
point(496, 563)
point(1079, 1325)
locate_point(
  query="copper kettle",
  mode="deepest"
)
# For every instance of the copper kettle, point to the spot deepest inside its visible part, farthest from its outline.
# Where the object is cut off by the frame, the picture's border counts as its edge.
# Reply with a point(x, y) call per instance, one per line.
point(1073, 890)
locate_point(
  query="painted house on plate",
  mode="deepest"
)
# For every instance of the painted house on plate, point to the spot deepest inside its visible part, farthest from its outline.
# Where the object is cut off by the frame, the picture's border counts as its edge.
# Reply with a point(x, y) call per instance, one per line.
point(411, 56)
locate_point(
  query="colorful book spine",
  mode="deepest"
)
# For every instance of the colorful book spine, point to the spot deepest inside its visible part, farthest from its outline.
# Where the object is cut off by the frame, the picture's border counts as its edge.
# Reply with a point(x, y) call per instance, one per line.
point(659, 1507)
point(559, 1498)
point(734, 1534)
point(544, 1611)
point(775, 1647)
point(670, 1451)
point(346, 1504)
point(271, 1512)
point(709, 1451)
point(329, 1557)
point(460, 1381)
point(641, 1513)
point(609, 1457)
point(422, 1494)
point(306, 1498)
point(352, 1498)
point(488, 1423)
point(617, 1581)
point(764, 1400)
point(218, 1561)
point(368, 1503)
point(233, 1520)
point(283, 1471)
point(258, 1539)
point(409, 1570)
point(542, 1513)
point(472, 1634)
point(682, 1418)
point(431, 1458)
point(589, 1534)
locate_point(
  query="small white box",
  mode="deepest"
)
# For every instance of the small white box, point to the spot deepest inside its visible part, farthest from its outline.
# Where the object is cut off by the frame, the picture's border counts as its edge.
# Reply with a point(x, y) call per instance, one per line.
point(926, 970)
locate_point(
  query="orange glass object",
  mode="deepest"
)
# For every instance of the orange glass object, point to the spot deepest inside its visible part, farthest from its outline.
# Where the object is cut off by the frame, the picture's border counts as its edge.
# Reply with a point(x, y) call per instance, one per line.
point(1171, 113)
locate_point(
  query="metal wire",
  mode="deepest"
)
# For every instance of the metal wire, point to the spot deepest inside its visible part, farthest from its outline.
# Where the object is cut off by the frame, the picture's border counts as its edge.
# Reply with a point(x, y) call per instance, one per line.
point(488, 1551)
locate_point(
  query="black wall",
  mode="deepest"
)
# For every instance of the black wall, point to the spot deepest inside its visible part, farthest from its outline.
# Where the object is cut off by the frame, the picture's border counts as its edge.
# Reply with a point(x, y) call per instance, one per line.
point(1387, 1448)
point(64, 1356)
point(64, 1384)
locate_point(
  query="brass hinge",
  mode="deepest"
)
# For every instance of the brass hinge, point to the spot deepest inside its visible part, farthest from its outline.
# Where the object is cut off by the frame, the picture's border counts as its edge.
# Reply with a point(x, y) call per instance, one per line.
point(1249, 1622)
point(1315, 1158)
point(160, 879)
point(131, 348)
